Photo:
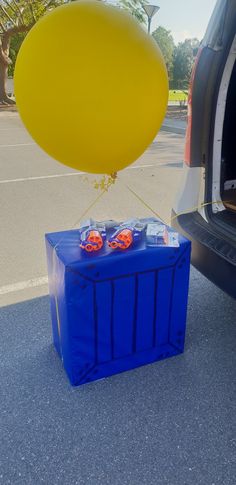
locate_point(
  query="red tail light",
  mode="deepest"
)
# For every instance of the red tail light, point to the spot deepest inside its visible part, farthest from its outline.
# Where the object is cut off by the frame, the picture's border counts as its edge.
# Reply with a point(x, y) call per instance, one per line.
point(187, 151)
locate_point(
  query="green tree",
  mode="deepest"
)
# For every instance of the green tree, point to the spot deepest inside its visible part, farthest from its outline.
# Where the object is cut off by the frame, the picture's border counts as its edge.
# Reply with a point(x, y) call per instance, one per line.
point(166, 43)
point(15, 44)
point(183, 60)
point(135, 7)
point(16, 19)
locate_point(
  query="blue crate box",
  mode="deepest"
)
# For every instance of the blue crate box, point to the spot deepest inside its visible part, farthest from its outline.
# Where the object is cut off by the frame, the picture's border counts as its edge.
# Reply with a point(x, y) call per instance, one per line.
point(115, 310)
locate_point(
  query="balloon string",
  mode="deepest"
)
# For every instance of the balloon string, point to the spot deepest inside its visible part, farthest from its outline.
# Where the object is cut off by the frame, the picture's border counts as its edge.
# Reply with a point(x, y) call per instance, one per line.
point(83, 214)
point(86, 212)
point(197, 207)
point(192, 209)
point(144, 203)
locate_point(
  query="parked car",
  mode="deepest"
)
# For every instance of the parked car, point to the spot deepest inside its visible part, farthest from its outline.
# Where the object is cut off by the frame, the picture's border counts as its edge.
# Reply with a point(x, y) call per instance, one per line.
point(205, 207)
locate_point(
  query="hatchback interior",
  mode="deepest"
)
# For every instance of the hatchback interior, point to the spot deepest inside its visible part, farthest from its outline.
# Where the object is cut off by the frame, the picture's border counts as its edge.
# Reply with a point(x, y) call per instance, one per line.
point(228, 166)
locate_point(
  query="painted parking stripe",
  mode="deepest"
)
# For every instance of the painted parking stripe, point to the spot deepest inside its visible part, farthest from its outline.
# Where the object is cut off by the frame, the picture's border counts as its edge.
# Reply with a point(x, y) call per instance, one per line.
point(22, 285)
point(77, 174)
point(18, 145)
point(11, 129)
point(42, 177)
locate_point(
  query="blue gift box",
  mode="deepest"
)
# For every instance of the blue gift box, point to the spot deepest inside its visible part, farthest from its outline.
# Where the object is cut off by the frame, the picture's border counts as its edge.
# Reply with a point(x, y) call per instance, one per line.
point(116, 310)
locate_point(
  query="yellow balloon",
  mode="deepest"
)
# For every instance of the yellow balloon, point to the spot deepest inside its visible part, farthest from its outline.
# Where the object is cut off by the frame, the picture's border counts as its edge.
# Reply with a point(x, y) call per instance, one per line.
point(91, 86)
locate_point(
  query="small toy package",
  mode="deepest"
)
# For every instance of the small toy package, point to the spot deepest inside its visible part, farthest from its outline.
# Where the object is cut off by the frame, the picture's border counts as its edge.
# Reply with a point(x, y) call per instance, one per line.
point(158, 234)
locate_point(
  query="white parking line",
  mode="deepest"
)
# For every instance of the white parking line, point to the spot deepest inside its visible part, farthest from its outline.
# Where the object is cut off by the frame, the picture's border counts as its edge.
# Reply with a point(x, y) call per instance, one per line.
point(18, 145)
point(69, 174)
point(140, 166)
point(11, 129)
point(22, 285)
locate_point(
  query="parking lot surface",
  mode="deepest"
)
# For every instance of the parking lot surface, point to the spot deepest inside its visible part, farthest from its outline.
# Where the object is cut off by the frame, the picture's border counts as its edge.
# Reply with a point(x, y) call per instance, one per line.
point(172, 422)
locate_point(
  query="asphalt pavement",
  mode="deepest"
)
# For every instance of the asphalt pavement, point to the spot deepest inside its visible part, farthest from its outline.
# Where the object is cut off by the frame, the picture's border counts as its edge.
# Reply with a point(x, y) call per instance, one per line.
point(172, 422)
point(174, 126)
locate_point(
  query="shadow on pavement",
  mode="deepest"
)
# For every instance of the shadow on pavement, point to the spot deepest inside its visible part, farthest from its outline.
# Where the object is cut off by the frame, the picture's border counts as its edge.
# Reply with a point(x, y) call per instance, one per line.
point(167, 423)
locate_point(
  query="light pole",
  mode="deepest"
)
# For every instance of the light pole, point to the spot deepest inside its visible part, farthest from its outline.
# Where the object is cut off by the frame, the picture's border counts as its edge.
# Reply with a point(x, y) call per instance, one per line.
point(150, 11)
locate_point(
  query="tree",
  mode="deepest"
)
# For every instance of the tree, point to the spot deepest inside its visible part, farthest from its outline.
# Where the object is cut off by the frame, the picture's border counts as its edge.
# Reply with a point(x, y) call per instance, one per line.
point(183, 60)
point(16, 18)
point(135, 7)
point(165, 41)
point(15, 44)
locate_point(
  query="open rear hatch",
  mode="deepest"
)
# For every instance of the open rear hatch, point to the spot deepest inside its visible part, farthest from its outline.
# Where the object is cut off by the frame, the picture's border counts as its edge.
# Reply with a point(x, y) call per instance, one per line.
point(211, 152)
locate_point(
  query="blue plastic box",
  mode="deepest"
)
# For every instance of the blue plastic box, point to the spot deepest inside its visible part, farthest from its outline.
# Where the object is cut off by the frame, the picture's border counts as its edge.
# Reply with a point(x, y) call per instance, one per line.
point(116, 310)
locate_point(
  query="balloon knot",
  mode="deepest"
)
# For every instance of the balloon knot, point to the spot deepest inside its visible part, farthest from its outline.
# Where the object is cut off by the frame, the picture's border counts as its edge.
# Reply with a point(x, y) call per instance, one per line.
point(114, 176)
point(105, 182)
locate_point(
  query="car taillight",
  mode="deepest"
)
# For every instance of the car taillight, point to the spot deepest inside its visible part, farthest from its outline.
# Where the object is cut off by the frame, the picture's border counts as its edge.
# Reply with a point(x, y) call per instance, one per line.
point(187, 151)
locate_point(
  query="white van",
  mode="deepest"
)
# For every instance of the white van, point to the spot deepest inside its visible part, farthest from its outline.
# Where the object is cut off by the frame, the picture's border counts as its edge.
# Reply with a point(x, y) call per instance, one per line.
point(205, 207)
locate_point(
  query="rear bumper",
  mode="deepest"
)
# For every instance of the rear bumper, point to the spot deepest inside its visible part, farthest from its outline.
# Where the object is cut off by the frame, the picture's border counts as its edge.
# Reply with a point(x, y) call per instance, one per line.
point(211, 255)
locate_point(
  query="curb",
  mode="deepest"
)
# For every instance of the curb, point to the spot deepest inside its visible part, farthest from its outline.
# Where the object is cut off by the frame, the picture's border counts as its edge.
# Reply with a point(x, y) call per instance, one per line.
point(173, 129)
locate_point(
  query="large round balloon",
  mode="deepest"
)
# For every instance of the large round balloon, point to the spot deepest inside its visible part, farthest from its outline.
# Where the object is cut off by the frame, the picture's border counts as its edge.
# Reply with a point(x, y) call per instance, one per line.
point(91, 86)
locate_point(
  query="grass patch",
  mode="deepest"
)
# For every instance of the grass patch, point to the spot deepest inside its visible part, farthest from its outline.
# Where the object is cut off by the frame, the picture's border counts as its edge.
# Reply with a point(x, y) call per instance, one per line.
point(178, 95)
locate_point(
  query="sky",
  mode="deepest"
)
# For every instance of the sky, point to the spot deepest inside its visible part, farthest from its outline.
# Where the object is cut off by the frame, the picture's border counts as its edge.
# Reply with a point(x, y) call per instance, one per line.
point(185, 18)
